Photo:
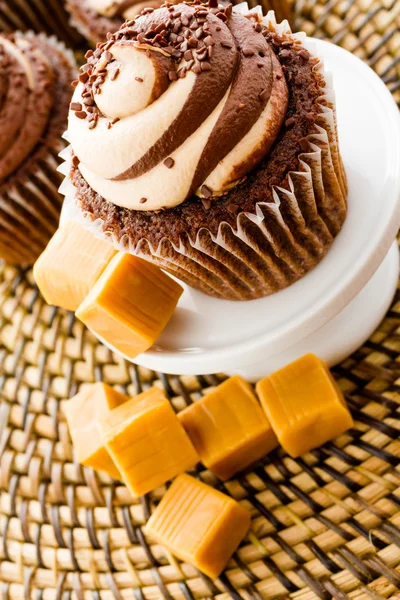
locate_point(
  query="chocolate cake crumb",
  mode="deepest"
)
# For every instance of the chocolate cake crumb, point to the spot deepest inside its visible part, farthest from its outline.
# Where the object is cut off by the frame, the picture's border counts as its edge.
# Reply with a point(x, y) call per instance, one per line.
point(304, 54)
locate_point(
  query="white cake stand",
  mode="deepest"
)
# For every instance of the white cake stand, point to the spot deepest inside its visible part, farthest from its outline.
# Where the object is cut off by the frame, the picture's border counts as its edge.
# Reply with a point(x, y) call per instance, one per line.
point(336, 307)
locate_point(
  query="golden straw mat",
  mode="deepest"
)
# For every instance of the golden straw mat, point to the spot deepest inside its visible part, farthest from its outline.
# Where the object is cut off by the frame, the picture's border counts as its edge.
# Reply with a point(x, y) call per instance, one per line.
point(324, 526)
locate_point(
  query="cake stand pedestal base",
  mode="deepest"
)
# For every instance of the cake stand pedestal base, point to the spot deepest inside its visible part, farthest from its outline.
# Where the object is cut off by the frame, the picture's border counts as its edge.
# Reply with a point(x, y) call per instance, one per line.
point(346, 332)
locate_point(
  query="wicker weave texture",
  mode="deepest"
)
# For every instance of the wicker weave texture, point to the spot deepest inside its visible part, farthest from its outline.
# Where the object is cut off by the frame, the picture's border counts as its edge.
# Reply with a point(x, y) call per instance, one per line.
point(324, 525)
point(369, 29)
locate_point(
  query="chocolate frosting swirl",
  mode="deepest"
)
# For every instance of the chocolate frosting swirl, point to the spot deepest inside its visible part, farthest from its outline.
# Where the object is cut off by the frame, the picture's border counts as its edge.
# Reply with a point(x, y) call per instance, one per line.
point(26, 100)
point(184, 99)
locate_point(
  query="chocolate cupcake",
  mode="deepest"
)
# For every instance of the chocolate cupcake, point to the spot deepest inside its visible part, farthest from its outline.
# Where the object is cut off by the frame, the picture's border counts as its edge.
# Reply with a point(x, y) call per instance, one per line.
point(205, 141)
point(47, 16)
point(35, 91)
point(94, 19)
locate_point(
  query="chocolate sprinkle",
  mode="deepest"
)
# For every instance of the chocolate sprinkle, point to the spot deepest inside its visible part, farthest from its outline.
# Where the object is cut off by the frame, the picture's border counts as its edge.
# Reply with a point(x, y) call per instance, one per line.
point(284, 53)
point(304, 54)
point(139, 79)
point(207, 193)
point(169, 162)
point(143, 200)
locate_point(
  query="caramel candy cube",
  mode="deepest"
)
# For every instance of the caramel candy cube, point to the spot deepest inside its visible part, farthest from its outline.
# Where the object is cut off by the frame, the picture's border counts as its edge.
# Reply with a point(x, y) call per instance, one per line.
point(130, 304)
point(228, 428)
point(82, 413)
point(304, 404)
point(70, 265)
point(147, 442)
point(198, 524)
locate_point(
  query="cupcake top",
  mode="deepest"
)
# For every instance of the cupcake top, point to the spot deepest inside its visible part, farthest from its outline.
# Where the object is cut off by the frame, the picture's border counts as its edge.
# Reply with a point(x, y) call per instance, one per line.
point(182, 100)
point(27, 94)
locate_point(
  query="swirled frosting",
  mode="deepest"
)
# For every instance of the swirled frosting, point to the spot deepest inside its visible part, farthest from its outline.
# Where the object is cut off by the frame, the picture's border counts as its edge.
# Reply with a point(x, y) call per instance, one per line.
point(182, 100)
point(26, 100)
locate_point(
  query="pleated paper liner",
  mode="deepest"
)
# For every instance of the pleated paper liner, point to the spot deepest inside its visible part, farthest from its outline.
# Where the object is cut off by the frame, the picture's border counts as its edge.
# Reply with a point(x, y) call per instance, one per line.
point(30, 202)
point(282, 241)
point(47, 16)
point(326, 525)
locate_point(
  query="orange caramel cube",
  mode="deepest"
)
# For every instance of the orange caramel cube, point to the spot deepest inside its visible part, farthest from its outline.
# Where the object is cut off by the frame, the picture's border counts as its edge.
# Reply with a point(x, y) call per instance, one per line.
point(228, 428)
point(147, 442)
point(70, 265)
point(130, 304)
point(82, 413)
point(304, 405)
point(199, 524)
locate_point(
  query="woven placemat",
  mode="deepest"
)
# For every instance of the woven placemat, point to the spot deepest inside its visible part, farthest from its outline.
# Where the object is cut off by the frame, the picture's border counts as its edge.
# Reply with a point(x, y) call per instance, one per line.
point(369, 29)
point(326, 525)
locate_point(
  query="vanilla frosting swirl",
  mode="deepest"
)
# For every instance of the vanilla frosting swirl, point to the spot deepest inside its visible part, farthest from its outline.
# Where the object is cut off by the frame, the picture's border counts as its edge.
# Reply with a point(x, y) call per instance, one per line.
point(185, 99)
point(26, 100)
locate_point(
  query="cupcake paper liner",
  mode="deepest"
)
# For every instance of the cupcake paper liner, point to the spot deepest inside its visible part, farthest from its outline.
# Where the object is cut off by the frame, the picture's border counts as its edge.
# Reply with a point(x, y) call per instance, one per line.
point(30, 202)
point(41, 16)
point(279, 243)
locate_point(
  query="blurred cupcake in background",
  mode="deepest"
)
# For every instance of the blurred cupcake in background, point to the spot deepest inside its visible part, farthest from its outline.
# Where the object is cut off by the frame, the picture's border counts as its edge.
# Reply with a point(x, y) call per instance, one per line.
point(95, 18)
point(35, 92)
point(47, 16)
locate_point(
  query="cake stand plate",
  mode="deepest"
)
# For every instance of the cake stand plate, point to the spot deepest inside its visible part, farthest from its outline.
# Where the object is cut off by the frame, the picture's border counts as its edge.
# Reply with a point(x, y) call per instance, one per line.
point(323, 311)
